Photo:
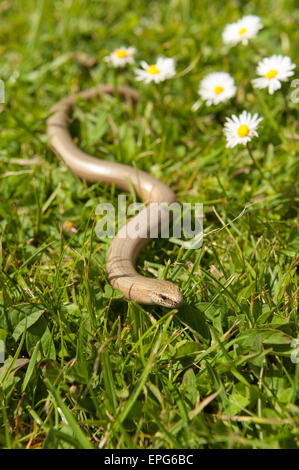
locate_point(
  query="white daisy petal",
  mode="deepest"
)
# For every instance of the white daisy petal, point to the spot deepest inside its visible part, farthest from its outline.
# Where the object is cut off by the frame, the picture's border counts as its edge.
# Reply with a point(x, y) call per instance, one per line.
point(241, 129)
point(242, 30)
point(162, 70)
point(273, 70)
point(121, 56)
point(144, 64)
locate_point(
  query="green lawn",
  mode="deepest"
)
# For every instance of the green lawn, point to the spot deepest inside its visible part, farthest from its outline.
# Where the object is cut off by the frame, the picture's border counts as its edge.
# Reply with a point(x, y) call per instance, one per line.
point(84, 367)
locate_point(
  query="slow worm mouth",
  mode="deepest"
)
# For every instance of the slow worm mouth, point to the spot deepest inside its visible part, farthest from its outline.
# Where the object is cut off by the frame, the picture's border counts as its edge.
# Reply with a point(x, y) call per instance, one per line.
point(170, 300)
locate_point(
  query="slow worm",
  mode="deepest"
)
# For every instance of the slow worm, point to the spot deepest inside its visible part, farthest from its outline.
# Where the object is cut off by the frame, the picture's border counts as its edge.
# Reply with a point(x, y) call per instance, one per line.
point(124, 249)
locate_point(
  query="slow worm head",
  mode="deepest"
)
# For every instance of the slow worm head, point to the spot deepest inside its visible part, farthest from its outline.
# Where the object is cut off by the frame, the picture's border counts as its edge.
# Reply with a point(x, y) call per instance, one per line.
point(124, 249)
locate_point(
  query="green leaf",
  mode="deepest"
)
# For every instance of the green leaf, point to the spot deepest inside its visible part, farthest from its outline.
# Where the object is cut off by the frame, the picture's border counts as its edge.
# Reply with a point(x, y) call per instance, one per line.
point(78, 433)
point(31, 367)
point(30, 319)
point(3, 334)
point(264, 336)
point(195, 318)
point(111, 293)
point(40, 331)
point(188, 349)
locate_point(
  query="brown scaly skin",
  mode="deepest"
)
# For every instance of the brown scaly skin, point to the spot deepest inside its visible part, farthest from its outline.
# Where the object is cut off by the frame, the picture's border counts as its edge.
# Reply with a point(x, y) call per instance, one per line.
point(123, 249)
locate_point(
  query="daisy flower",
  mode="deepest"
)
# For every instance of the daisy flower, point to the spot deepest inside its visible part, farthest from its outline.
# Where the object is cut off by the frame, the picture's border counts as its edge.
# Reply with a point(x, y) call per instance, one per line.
point(163, 69)
point(273, 71)
point(217, 87)
point(242, 30)
point(241, 129)
point(120, 57)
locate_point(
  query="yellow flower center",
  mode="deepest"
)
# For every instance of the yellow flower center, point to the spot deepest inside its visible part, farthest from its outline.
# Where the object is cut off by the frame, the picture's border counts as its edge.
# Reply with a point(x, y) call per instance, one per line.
point(243, 130)
point(218, 90)
point(121, 53)
point(271, 74)
point(153, 70)
point(242, 31)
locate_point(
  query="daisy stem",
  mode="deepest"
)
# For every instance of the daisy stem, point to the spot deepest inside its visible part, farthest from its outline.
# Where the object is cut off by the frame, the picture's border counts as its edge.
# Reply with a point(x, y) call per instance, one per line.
point(259, 168)
point(254, 161)
point(115, 85)
point(255, 49)
point(160, 89)
point(268, 113)
point(286, 104)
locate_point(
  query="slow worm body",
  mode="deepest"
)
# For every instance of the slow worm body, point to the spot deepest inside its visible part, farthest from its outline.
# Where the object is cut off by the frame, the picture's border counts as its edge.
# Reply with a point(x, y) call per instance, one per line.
point(123, 249)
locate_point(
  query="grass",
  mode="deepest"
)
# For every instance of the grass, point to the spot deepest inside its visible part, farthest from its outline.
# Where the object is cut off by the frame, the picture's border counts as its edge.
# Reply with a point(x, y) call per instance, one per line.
point(84, 367)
